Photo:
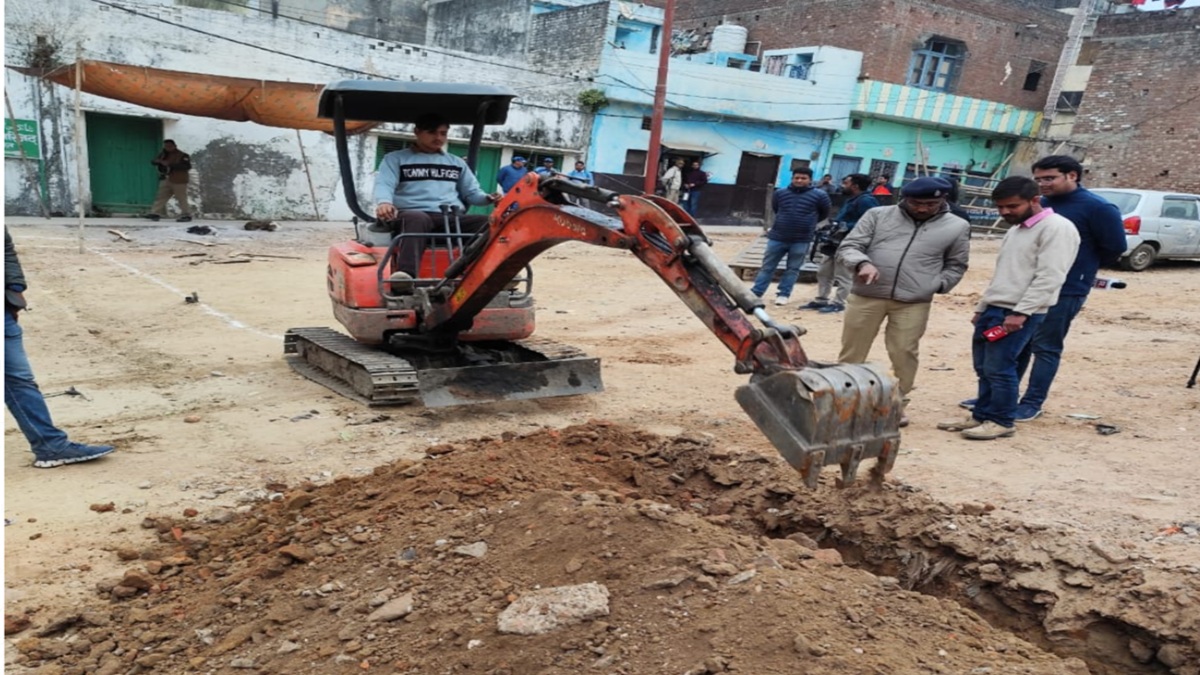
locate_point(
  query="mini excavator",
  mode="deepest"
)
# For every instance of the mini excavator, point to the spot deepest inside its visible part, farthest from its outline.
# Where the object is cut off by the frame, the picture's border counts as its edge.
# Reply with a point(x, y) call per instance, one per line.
point(462, 331)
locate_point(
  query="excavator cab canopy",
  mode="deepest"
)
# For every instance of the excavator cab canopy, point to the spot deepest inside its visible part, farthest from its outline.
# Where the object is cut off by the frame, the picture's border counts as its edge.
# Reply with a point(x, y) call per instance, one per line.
point(404, 102)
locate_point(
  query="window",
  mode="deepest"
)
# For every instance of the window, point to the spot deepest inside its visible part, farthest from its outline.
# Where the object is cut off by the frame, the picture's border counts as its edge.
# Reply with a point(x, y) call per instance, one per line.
point(635, 163)
point(795, 66)
point(1034, 77)
point(647, 122)
point(937, 64)
point(800, 164)
point(1068, 101)
point(1180, 207)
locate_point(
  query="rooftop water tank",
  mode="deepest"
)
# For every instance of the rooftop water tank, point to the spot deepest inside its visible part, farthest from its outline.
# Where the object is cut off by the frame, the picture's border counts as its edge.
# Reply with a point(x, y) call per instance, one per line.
point(729, 37)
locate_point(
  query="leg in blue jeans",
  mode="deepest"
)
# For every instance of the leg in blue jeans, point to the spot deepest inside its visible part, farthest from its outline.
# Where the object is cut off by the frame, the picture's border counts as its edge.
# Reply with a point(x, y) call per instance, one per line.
point(1045, 350)
point(771, 256)
point(22, 396)
point(797, 254)
point(996, 366)
point(693, 202)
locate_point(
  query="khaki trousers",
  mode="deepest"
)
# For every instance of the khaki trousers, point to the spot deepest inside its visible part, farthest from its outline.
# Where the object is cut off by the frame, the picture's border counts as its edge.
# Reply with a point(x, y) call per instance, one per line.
point(906, 323)
point(166, 190)
point(829, 274)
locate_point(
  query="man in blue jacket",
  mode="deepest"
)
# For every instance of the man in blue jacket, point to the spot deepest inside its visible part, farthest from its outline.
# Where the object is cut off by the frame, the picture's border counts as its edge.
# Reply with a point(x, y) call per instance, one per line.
point(798, 208)
point(511, 174)
point(1102, 241)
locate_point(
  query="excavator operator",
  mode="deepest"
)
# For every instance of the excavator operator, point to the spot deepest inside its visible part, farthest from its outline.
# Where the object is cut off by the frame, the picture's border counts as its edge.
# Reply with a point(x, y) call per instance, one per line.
point(412, 186)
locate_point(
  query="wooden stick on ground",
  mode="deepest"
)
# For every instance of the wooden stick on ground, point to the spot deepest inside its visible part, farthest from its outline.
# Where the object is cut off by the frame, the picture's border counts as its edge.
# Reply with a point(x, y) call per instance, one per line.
point(198, 243)
point(119, 234)
point(244, 254)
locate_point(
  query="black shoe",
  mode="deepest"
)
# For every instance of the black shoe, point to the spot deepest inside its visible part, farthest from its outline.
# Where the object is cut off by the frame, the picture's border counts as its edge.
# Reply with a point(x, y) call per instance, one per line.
point(153, 216)
point(182, 219)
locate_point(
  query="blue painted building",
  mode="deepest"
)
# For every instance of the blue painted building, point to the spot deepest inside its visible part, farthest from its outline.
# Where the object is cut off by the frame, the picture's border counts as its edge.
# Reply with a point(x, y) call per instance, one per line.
point(750, 129)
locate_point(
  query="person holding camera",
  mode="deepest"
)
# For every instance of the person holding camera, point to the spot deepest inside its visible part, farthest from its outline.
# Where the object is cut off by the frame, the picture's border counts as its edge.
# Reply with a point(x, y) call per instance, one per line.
point(830, 274)
point(1035, 255)
point(173, 166)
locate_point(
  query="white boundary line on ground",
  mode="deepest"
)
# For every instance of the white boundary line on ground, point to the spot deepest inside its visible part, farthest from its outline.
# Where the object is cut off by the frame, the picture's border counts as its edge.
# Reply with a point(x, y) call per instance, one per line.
point(207, 308)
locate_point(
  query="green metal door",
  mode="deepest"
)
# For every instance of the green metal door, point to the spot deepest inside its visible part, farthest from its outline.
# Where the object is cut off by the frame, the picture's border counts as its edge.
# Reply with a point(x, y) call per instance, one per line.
point(119, 152)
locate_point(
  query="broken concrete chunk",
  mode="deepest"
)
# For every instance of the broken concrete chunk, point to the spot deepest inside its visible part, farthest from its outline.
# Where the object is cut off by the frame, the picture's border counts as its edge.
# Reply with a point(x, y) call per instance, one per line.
point(397, 608)
point(542, 611)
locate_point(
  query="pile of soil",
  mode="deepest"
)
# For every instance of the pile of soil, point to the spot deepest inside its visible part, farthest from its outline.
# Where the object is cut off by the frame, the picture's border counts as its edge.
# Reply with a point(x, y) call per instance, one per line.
point(712, 561)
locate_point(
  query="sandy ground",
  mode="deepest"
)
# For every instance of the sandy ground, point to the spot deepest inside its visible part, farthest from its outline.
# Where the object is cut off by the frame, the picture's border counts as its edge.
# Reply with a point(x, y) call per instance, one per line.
point(206, 413)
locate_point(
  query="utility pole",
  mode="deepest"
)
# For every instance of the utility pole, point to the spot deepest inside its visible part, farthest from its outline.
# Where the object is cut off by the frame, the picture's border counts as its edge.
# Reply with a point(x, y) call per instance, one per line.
point(660, 99)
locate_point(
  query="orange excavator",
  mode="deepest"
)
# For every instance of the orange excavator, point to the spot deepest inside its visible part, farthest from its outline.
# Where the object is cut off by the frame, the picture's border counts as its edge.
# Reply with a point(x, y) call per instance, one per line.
point(462, 332)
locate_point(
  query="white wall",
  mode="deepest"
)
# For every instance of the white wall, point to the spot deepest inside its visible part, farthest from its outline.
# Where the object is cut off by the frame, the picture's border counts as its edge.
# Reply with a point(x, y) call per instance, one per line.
point(270, 183)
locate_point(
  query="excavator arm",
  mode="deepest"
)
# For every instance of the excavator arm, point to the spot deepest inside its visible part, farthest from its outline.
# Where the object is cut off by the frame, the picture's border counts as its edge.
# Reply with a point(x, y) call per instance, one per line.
point(814, 414)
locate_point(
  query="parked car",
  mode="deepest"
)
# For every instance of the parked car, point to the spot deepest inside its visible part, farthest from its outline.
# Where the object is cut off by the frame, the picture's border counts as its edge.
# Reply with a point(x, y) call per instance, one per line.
point(1158, 225)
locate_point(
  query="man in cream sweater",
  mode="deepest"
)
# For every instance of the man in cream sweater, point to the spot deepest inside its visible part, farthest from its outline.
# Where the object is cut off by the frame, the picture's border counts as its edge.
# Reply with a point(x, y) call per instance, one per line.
point(1035, 256)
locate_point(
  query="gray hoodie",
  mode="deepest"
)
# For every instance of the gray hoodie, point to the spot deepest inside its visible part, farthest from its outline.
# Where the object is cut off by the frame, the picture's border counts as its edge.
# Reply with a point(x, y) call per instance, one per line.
point(915, 260)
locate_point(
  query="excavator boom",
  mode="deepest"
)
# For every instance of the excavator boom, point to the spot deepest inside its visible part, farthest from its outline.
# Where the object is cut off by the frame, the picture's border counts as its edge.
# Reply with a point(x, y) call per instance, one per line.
point(815, 414)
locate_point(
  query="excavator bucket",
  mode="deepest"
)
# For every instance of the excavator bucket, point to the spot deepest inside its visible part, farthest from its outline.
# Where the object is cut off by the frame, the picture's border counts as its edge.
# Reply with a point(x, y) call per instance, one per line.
point(822, 415)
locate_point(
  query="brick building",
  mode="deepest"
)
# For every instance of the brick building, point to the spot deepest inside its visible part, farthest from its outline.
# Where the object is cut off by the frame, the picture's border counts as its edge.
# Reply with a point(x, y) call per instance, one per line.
point(998, 50)
point(1139, 118)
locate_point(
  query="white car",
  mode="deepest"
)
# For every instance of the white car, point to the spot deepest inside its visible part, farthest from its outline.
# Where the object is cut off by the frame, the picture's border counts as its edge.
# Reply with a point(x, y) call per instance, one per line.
point(1158, 225)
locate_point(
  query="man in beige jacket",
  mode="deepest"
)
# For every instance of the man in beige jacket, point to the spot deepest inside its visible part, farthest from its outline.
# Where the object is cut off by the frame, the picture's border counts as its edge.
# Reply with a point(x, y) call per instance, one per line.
point(1038, 250)
point(901, 256)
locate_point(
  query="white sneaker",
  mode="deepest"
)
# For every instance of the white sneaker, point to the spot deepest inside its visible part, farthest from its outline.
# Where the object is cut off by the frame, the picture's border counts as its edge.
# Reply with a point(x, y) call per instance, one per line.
point(781, 300)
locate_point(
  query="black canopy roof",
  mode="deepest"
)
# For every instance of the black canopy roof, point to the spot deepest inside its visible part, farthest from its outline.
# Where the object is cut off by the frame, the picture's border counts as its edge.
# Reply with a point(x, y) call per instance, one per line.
point(383, 101)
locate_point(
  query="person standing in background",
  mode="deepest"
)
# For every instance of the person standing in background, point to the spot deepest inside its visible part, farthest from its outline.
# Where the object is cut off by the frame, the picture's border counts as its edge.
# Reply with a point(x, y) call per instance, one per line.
point(798, 208)
point(672, 180)
point(830, 273)
point(694, 180)
point(512, 174)
point(173, 166)
point(581, 174)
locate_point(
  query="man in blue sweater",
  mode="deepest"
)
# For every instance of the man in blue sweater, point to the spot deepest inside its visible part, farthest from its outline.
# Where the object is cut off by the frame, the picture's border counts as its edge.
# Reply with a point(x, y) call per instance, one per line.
point(414, 183)
point(798, 208)
point(1102, 241)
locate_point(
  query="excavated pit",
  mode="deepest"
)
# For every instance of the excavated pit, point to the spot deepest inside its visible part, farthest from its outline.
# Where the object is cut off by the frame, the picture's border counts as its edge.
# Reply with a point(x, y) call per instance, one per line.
point(714, 561)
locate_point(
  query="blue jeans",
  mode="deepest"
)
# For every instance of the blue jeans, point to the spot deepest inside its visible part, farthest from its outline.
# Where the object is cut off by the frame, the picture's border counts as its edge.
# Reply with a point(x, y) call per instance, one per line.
point(796, 254)
point(996, 366)
point(1046, 348)
point(22, 396)
point(692, 203)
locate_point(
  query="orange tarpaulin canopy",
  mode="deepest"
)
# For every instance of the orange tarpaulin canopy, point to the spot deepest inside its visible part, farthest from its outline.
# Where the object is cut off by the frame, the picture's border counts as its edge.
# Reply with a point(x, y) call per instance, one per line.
point(291, 105)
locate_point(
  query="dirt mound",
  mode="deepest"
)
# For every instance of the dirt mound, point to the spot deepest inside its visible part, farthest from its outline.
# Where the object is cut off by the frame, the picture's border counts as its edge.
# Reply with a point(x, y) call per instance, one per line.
point(701, 560)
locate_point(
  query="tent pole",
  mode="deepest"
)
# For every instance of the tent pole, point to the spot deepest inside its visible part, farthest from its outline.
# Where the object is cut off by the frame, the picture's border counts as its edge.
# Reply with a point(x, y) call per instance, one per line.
point(34, 177)
point(308, 173)
point(79, 170)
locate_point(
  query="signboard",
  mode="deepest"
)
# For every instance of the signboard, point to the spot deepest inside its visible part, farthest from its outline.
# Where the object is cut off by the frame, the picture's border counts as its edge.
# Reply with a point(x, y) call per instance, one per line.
point(28, 131)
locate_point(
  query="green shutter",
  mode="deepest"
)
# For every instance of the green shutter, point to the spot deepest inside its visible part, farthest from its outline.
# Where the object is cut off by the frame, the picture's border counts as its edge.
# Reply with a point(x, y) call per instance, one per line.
point(119, 152)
